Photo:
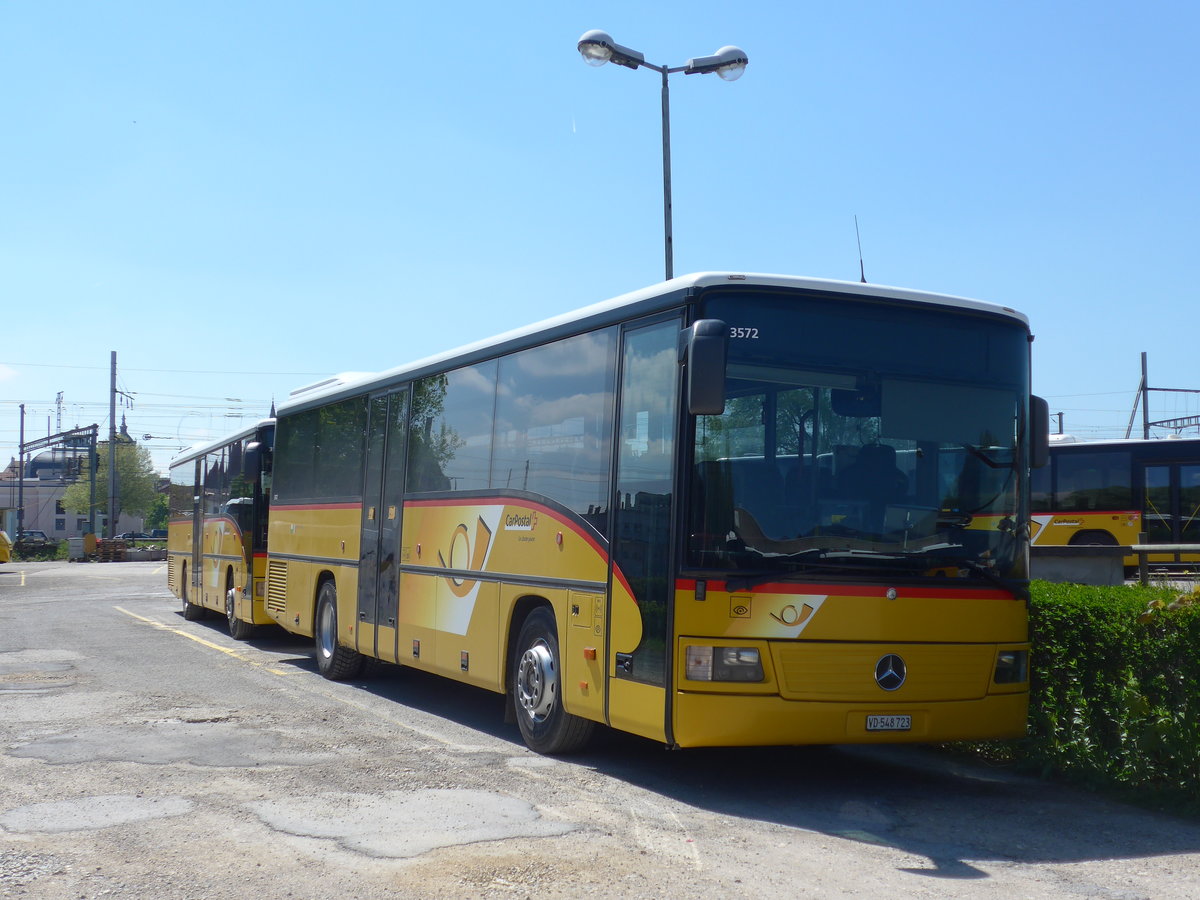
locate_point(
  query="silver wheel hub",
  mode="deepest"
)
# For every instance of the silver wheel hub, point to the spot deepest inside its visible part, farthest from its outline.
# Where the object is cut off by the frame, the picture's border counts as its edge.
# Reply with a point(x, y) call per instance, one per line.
point(537, 681)
point(325, 636)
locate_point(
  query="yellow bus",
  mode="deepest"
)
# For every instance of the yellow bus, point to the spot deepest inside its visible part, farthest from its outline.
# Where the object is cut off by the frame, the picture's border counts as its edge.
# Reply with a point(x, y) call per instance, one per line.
point(680, 514)
point(1118, 493)
point(217, 531)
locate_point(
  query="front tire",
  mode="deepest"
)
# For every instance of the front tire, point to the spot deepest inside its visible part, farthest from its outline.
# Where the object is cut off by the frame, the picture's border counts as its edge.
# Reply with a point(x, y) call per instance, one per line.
point(238, 629)
point(537, 687)
point(335, 662)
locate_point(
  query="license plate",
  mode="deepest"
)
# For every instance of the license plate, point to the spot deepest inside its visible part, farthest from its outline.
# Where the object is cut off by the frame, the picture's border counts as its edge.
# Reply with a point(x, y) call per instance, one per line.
point(889, 723)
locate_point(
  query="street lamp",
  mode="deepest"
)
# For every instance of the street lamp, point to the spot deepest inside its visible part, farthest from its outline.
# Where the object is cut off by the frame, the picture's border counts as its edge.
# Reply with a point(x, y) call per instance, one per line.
point(598, 47)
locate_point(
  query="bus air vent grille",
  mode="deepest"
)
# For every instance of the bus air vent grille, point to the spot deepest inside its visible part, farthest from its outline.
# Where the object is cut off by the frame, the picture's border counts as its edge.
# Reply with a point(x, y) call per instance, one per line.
point(276, 586)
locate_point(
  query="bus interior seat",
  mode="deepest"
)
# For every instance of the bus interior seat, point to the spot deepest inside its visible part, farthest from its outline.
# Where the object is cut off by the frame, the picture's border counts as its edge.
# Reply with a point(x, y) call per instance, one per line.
point(874, 475)
point(758, 488)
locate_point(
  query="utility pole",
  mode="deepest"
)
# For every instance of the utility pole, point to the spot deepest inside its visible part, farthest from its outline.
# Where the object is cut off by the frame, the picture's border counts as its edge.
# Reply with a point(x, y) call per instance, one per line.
point(21, 477)
point(1143, 397)
point(111, 531)
point(93, 464)
point(1145, 400)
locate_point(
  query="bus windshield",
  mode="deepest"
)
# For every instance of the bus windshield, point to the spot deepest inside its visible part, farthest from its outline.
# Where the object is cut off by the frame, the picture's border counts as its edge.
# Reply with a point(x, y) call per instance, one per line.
point(860, 440)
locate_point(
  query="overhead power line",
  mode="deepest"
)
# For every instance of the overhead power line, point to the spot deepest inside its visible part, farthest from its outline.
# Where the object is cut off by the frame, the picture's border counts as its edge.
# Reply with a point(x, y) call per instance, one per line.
point(167, 371)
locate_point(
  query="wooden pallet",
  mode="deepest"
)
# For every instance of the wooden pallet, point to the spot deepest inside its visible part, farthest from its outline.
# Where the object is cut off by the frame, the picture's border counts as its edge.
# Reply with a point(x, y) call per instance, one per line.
point(110, 551)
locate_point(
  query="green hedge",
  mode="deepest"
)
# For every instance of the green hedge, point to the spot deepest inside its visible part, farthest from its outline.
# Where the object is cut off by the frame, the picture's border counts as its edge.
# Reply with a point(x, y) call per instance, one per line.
point(58, 550)
point(1115, 691)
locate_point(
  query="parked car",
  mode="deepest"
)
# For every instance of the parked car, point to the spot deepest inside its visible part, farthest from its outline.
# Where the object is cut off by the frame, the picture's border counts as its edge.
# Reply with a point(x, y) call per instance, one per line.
point(5, 547)
point(158, 534)
point(133, 536)
point(33, 540)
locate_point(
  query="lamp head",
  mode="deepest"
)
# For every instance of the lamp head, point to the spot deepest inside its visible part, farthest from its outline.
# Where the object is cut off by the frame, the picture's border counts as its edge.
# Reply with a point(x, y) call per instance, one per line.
point(729, 63)
point(597, 47)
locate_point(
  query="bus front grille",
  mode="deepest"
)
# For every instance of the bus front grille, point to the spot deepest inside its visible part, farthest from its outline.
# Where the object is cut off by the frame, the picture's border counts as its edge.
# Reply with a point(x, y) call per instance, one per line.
point(847, 672)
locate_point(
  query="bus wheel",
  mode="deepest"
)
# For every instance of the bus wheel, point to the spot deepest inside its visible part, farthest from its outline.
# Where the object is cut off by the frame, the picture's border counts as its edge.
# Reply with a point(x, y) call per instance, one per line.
point(191, 611)
point(545, 725)
point(238, 629)
point(1093, 538)
point(334, 661)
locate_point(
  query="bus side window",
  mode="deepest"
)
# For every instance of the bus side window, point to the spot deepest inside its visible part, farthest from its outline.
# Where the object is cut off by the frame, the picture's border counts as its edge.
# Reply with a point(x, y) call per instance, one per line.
point(1039, 482)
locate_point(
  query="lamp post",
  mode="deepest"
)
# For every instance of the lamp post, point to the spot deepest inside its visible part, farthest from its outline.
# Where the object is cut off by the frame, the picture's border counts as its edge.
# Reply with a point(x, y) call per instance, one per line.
point(598, 48)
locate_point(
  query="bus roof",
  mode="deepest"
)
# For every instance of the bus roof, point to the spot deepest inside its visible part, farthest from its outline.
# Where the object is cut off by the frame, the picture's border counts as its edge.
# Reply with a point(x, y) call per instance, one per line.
point(1070, 440)
point(200, 449)
point(662, 296)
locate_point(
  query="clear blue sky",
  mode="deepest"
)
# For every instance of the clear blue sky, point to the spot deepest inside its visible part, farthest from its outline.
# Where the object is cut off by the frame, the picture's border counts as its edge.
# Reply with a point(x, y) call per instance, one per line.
point(242, 197)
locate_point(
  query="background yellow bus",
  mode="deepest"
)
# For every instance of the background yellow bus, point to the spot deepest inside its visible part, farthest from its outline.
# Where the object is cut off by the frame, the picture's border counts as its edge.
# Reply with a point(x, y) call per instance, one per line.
point(1112, 493)
point(216, 535)
point(679, 513)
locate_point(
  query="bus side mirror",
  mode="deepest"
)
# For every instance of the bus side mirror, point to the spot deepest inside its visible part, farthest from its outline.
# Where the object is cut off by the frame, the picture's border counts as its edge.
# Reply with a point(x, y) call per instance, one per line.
point(1039, 432)
point(252, 461)
point(704, 350)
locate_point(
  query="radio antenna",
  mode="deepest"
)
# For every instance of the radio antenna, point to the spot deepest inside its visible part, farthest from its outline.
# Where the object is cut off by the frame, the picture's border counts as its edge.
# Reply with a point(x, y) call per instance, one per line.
point(861, 271)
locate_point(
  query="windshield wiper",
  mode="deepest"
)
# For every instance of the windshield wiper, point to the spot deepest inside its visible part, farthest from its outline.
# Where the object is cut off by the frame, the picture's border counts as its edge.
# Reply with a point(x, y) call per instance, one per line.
point(857, 559)
point(987, 460)
point(818, 559)
point(974, 566)
point(788, 567)
point(952, 555)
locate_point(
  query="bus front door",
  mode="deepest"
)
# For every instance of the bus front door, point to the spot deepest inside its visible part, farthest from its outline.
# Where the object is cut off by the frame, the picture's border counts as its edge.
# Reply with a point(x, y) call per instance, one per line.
point(195, 586)
point(383, 490)
point(639, 648)
point(1158, 522)
point(1171, 503)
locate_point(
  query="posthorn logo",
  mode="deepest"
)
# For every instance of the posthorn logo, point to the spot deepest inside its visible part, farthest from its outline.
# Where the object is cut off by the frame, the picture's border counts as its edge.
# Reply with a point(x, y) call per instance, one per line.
point(890, 672)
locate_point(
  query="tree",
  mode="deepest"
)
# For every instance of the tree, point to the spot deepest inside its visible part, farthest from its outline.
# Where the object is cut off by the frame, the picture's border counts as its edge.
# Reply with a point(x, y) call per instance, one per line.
point(156, 516)
point(742, 429)
point(136, 482)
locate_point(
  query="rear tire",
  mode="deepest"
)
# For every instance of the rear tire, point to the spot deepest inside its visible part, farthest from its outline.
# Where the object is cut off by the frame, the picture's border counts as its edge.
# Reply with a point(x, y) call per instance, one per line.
point(537, 687)
point(335, 662)
point(191, 611)
point(238, 629)
point(1094, 538)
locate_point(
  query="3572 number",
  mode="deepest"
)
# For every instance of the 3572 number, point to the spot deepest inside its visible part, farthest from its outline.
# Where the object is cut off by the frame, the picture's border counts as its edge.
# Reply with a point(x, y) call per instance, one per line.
point(744, 333)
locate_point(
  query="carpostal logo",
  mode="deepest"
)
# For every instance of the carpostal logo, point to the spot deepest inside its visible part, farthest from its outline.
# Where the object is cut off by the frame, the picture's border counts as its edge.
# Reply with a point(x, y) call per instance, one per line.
point(520, 521)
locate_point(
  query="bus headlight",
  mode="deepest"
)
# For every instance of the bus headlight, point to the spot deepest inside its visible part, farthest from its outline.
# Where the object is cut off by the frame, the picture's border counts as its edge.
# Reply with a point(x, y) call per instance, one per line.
point(723, 664)
point(1012, 667)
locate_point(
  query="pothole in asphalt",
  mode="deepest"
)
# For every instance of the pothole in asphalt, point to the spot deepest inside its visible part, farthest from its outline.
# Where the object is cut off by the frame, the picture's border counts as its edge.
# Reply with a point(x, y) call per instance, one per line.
point(90, 813)
point(28, 671)
point(37, 660)
point(28, 703)
point(402, 824)
point(202, 744)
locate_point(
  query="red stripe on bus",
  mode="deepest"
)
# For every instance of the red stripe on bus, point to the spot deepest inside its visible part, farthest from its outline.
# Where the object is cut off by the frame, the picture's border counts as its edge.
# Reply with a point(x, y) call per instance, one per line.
point(842, 590)
point(302, 506)
point(1085, 513)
